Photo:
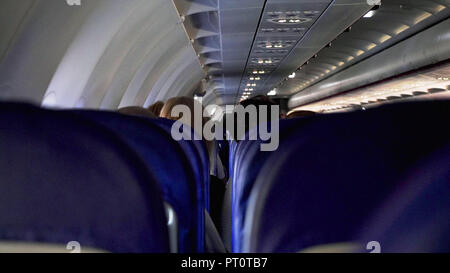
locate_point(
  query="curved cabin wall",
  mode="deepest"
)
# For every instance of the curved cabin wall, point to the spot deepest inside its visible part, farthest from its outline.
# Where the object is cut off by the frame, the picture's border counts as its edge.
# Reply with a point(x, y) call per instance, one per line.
point(102, 54)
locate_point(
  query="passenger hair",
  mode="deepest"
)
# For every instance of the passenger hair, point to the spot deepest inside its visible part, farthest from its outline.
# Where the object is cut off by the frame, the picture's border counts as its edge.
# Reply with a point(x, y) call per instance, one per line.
point(137, 112)
point(256, 101)
point(166, 111)
point(300, 114)
point(156, 108)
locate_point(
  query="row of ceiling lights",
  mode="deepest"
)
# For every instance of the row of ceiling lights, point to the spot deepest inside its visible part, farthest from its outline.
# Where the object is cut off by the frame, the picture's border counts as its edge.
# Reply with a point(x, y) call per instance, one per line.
point(250, 86)
point(265, 61)
point(294, 17)
point(293, 75)
point(278, 17)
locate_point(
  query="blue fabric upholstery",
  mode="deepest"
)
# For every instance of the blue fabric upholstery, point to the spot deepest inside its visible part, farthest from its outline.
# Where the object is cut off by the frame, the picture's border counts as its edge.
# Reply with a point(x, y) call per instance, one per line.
point(248, 163)
point(232, 146)
point(167, 161)
point(417, 218)
point(64, 178)
point(197, 154)
point(329, 175)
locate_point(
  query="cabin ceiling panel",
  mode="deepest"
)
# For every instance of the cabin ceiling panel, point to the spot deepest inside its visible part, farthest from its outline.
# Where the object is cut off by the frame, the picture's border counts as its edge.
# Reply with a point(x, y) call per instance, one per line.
point(93, 55)
point(139, 61)
point(12, 16)
point(83, 55)
point(290, 33)
point(165, 74)
point(258, 36)
point(120, 60)
point(239, 23)
point(38, 45)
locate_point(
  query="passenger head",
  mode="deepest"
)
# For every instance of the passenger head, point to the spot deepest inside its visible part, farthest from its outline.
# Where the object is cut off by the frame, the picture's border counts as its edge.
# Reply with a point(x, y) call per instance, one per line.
point(256, 102)
point(300, 114)
point(156, 108)
point(166, 111)
point(190, 103)
point(137, 112)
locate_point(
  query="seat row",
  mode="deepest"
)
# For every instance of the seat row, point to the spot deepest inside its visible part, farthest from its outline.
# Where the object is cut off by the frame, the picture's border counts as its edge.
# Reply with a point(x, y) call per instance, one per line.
point(341, 182)
point(108, 181)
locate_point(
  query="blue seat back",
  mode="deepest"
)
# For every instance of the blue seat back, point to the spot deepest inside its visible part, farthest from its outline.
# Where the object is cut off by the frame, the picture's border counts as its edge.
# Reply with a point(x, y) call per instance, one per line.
point(64, 178)
point(197, 154)
point(248, 162)
point(416, 218)
point(331, 174)
point(167, 161)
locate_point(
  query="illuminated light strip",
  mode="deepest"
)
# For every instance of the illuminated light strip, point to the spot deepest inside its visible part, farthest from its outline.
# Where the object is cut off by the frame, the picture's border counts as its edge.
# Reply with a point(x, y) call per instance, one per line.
point(272, 92)
point(369, 14)
point(440, 8)
point(360, 52)
point(372, 45)
point(401, 29)
point(385, 38)
point(422, 17)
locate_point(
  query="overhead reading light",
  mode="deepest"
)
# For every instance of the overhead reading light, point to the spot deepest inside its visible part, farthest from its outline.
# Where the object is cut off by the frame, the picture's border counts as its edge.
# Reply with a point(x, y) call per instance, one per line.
point(258, 72)
point(370, 14)
point(272, 92)
point(265, 61)
point(289, 20)
point(292, 76)
point(276, 44)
